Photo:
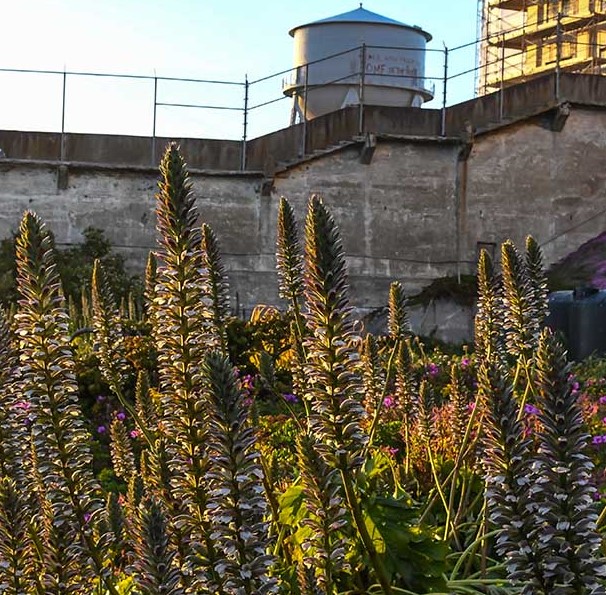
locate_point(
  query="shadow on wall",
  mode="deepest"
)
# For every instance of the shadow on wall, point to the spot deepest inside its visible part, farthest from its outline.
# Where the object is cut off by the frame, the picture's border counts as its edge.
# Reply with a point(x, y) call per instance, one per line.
point(442, 319)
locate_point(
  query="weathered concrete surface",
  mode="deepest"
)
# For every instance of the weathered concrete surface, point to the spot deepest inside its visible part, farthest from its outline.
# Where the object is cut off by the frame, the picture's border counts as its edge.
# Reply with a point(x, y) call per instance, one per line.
point(121, 202)
point(393, 213)
point(526, 179)
point(416, 212)
point(111, 149)
point(441, 319)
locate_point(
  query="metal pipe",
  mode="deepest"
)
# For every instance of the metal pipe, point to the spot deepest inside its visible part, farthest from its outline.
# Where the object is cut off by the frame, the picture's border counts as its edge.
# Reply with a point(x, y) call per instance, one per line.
point(153, 148)
point(245, 124)
point(558, 57)
point(305, 93)
point(444, 93)
point(361, 90)
point(62, 149)
point(502, 82)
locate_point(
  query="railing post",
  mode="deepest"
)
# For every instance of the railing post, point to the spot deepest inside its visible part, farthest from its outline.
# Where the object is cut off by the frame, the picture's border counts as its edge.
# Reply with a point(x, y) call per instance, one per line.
point(502, 80)
point(558, 57)
point(153, 147)
point(305, 94)
point(361, 89)
point(62, 149)
point(444, 92)
point(245, 125)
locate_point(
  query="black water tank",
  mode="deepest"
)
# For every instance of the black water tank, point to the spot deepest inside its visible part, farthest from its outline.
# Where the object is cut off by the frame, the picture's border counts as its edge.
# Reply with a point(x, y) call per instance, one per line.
point(580, 316)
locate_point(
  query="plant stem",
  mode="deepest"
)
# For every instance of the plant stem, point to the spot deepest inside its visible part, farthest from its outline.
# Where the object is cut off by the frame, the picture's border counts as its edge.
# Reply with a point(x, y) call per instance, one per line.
point(375, 419)
point(358, 517)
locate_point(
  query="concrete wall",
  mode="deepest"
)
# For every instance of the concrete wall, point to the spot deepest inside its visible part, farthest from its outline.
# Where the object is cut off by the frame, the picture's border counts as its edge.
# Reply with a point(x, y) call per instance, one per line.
point(415, 212)
point(121, 202)
point(526, 179)
point(397, 214)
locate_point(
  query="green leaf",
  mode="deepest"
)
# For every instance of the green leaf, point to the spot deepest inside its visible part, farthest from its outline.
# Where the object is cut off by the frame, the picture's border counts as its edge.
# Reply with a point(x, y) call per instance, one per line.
point(291, 506)
point(413, 555)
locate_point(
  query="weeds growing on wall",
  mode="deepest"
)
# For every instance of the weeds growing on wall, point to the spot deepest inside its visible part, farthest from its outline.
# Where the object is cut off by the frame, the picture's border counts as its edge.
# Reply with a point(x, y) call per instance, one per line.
point(349, 464)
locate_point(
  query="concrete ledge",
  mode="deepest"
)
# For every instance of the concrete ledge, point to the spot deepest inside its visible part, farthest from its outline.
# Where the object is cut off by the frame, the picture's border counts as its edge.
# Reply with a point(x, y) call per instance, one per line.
point(120, 167)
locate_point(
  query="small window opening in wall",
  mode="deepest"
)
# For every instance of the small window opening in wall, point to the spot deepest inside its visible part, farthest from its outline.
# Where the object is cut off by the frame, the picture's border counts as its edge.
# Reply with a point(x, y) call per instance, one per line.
point(490, 247)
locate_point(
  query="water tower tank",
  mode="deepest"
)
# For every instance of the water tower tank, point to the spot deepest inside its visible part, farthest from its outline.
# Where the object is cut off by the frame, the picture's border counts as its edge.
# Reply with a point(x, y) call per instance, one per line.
point(357, 55)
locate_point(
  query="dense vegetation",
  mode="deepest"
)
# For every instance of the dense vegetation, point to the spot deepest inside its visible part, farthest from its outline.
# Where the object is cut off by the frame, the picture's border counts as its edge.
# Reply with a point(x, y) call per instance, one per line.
point(324, 462)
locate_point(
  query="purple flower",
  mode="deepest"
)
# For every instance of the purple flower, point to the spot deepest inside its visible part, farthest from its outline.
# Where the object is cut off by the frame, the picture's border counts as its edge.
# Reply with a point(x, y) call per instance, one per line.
point(576, 386)
point(248, 382)
point(598, 440)
point(101, 430)
point(101, 398)
point(602, 400)
point(389, 402)
point(393, 451)
point(121, 416)
point(531, 410)
point(290, 398)
point(432, 369)
point(87, 517)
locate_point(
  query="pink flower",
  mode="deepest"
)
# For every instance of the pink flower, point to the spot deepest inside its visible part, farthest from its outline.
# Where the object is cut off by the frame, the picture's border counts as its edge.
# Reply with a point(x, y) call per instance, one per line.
point(393, 451)
point(389, 402)
point(25, 405)
point(134, 434)
point(465, 362)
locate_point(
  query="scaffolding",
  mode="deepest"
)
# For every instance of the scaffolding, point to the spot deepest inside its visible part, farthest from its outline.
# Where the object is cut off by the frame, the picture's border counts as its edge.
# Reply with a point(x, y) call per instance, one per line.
point(521, 39)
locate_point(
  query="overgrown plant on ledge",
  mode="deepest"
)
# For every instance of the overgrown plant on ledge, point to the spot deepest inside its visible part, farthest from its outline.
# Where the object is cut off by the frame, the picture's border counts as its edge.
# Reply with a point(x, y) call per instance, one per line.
point(394, 471)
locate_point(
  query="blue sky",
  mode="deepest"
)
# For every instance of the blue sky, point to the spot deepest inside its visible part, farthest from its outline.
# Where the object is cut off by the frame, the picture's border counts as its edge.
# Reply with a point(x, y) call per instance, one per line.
point(206, 39)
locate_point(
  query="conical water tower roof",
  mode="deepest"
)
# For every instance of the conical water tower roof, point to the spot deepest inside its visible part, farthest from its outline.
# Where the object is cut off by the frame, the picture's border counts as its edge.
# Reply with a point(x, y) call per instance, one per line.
point(360, 15)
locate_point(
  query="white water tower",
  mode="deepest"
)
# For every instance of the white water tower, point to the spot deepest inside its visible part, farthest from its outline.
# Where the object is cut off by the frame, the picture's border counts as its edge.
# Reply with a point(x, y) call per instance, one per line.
point(357, 56)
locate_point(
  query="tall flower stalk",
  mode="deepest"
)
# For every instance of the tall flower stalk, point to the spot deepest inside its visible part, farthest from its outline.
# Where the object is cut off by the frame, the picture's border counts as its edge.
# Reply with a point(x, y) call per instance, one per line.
point(509, 479)
point(325, 548)
point(334, 383)
point(289, 262)
point(184, 330)
point(218, 288)
point(237, 505)
point(566, 514)
point(59, 437)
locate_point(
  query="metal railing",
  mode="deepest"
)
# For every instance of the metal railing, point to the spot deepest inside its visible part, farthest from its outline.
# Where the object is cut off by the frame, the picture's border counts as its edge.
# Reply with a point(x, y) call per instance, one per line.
point(451, 75)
